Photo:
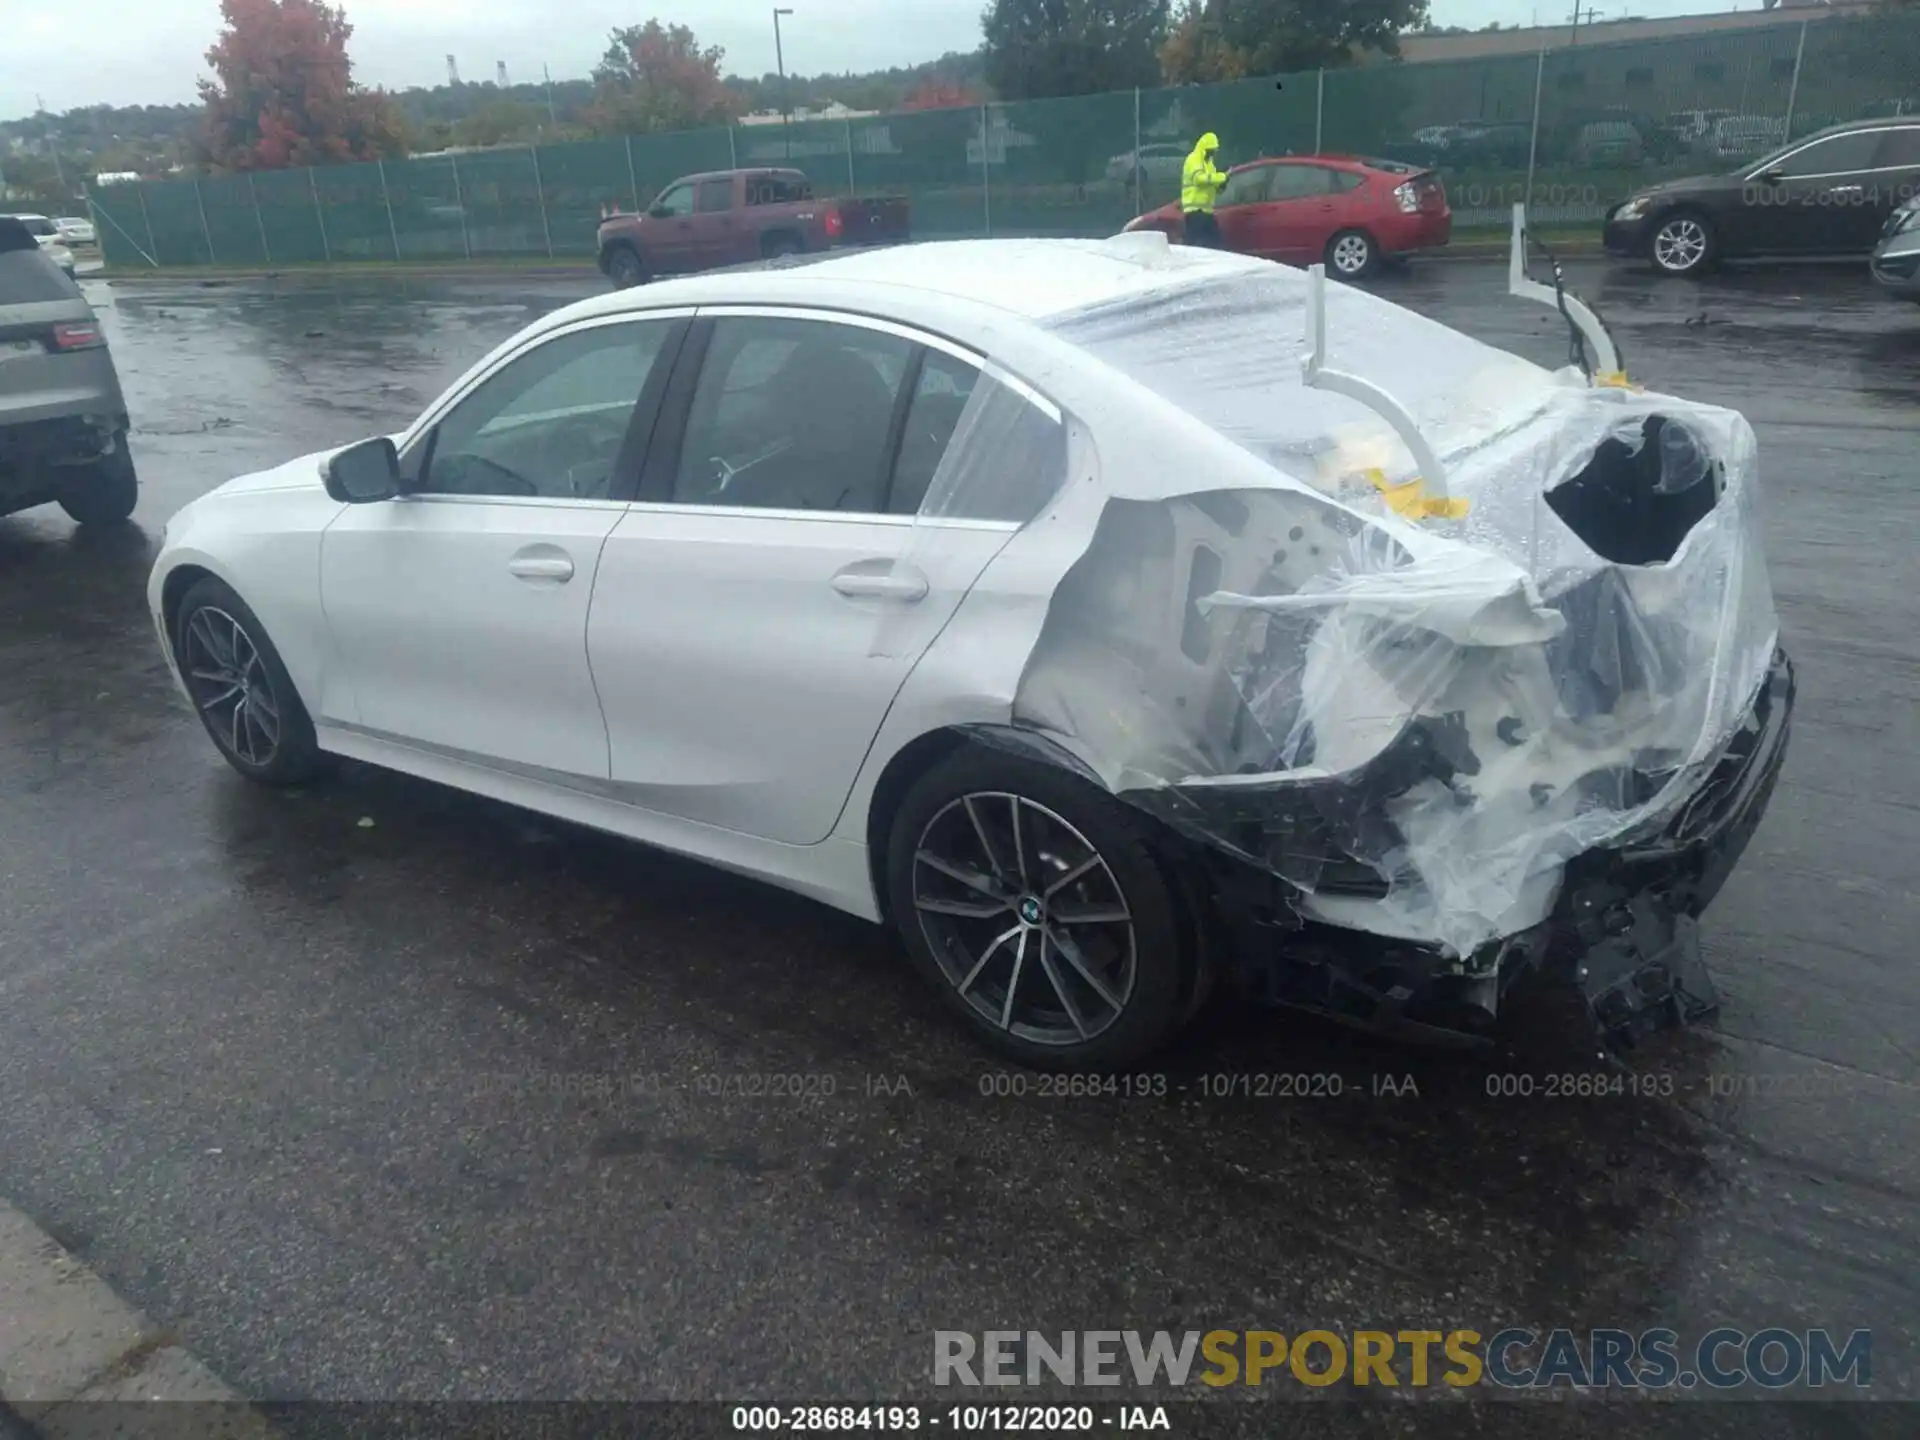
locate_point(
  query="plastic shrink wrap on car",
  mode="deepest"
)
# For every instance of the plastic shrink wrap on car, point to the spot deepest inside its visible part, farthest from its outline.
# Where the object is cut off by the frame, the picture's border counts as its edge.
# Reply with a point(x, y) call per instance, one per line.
point(1414, 707)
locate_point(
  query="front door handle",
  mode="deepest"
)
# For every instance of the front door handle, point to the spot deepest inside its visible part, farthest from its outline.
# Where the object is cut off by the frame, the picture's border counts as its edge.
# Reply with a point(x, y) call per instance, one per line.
point(542, 563)
point(881, 580)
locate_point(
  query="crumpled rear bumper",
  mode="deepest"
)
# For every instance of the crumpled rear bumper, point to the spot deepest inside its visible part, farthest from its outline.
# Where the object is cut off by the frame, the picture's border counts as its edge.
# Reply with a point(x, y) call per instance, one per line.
point(1623, 930)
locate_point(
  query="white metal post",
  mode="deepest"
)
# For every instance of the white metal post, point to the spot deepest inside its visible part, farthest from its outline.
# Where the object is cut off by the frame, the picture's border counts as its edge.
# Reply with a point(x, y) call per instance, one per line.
point(1793, 90)
point(1319, 112)
point(852, 187)
point(540, 189)
point(1139, 204)
point(986, 176)
point(253, 190)
point(460, 204)
point(1533, 143)
point(733, 150)
point(633, 177)
point(205, 229)
point(386, 198)
point(320, 217)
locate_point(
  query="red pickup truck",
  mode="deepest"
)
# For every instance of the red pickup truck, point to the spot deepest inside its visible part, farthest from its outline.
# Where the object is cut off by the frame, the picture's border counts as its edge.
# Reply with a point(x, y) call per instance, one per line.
point(729, 217)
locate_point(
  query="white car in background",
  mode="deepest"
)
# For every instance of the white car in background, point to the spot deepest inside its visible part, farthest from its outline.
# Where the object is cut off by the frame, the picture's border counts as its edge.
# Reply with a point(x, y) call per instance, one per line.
point(75, 231)
point(1022, 595)
point(47, 235)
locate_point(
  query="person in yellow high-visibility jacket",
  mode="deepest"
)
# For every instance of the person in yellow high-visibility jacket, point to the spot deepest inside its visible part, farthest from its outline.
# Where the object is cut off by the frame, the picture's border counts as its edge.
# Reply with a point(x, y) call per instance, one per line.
point(1200, 182)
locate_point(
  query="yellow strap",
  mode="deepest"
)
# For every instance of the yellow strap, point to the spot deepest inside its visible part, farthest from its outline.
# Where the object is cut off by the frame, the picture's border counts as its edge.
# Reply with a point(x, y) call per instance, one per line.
point(1617, 379)
point(1410, 501)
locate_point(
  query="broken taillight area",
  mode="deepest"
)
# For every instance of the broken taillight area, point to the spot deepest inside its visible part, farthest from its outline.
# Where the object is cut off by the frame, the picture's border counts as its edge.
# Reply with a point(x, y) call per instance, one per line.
point(1645, 488)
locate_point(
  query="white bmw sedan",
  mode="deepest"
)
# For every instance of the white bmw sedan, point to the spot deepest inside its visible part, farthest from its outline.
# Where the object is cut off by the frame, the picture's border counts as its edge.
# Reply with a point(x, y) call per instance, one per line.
point(1029, 597)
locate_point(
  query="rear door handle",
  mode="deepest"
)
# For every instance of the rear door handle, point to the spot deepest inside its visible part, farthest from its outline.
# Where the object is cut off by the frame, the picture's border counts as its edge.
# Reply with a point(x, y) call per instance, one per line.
point(542, 562)
point(881, 580)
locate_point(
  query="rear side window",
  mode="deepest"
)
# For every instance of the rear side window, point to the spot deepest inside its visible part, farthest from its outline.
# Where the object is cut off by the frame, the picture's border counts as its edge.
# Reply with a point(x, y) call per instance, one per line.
point(1840, 155)
point(778, 190)
point(1899, 149)
point(1297, 182)
point(1345, 180)
point(713, 196)
point(975, 448)
point(29, 278)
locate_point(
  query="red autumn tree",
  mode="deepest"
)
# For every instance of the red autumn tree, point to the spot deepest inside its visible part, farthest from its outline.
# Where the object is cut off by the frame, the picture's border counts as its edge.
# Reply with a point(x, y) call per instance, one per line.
point(935, 93)
point(659, 77)
point(283, 91)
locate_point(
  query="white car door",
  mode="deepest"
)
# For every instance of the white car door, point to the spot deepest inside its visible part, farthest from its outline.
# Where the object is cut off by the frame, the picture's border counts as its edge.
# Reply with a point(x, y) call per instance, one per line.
point(760, 606)
point(458, 612)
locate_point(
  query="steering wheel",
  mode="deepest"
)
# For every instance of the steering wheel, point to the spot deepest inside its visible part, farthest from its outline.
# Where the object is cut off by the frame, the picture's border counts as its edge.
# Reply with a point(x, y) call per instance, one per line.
point(590, 445)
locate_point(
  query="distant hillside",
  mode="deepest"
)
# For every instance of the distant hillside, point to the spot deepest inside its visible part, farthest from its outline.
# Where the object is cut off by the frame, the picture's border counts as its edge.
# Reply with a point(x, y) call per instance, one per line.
point(151, 138)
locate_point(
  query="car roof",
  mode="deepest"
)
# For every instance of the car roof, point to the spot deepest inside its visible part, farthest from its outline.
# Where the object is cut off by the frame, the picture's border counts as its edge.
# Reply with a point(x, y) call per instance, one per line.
point(1034, 280)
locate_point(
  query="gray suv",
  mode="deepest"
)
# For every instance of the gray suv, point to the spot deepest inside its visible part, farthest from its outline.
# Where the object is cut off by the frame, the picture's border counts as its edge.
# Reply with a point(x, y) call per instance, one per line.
point(63, 420)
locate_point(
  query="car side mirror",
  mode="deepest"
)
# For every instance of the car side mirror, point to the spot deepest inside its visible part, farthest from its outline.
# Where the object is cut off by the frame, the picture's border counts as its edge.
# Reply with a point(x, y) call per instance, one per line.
point(659, 212)
point(364, 473)
point(1773, 176)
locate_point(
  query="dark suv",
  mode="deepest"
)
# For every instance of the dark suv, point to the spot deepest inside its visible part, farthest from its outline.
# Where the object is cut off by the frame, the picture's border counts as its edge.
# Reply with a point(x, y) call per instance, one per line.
point(63, 420)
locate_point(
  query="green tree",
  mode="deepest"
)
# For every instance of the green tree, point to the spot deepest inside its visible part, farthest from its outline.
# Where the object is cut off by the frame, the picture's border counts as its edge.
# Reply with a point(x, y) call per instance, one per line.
point(504, 122)
point(1225, 39)
point(1040, 48)
point(659, 77)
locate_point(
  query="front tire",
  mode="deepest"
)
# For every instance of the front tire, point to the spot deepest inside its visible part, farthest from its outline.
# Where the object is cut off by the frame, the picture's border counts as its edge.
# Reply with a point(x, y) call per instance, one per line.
point(1352, 255)
point(105, 492)
point(241, 688)
point(1683, 244)
point(624, 267)
point(1034, 903)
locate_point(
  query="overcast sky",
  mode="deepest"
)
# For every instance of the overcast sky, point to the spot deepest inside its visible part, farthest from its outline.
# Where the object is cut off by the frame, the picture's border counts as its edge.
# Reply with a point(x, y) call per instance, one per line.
point(152, 52)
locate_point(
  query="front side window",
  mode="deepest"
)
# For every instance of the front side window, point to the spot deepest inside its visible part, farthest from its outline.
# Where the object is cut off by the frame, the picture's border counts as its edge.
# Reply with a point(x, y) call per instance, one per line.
point(676, 201)
point(792, 415)
point(552, 423)
point(713, 196)
point(1840, 155)
point(1245, 187)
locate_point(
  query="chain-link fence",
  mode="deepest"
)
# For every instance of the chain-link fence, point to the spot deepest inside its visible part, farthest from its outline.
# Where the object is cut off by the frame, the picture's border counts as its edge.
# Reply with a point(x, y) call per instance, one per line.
point(1570, 130)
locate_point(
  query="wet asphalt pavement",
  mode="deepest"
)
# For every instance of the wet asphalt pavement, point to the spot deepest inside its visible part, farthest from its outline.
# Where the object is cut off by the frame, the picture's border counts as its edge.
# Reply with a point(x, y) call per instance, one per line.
point(424, 1108)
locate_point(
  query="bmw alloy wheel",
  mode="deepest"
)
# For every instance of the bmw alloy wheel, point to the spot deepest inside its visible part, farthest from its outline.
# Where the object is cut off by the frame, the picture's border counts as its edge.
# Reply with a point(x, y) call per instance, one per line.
point(1680, 245)
point(229, 682)
point(1025, 918)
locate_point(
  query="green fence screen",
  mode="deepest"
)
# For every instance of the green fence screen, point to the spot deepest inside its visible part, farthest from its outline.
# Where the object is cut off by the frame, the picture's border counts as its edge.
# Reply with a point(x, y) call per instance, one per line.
point(1569, 130)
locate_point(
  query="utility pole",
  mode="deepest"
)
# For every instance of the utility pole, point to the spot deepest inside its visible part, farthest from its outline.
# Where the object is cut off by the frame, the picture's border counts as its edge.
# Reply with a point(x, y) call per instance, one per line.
point(552, 123)
point(786, 100)
point(1592, 15)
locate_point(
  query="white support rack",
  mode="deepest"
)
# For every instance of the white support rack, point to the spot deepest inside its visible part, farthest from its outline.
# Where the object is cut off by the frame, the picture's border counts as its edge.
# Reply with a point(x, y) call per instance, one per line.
point(1317, 376)
point(1606, 359)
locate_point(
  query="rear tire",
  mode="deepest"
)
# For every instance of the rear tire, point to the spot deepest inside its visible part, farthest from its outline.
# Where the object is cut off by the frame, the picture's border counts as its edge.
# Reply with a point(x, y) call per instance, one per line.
point(624, 267)
point(241, 689)
point(773, 247)
point(1352, 255)
point(105, 492)
point(1683, 245)
point(1072, 913)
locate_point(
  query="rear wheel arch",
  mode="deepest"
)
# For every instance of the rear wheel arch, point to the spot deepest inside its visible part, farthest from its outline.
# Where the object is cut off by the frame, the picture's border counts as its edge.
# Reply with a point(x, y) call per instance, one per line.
point(920, 755)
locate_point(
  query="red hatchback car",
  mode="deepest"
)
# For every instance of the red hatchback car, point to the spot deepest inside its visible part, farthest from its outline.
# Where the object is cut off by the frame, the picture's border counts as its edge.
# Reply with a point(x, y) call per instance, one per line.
point(1350, 213)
